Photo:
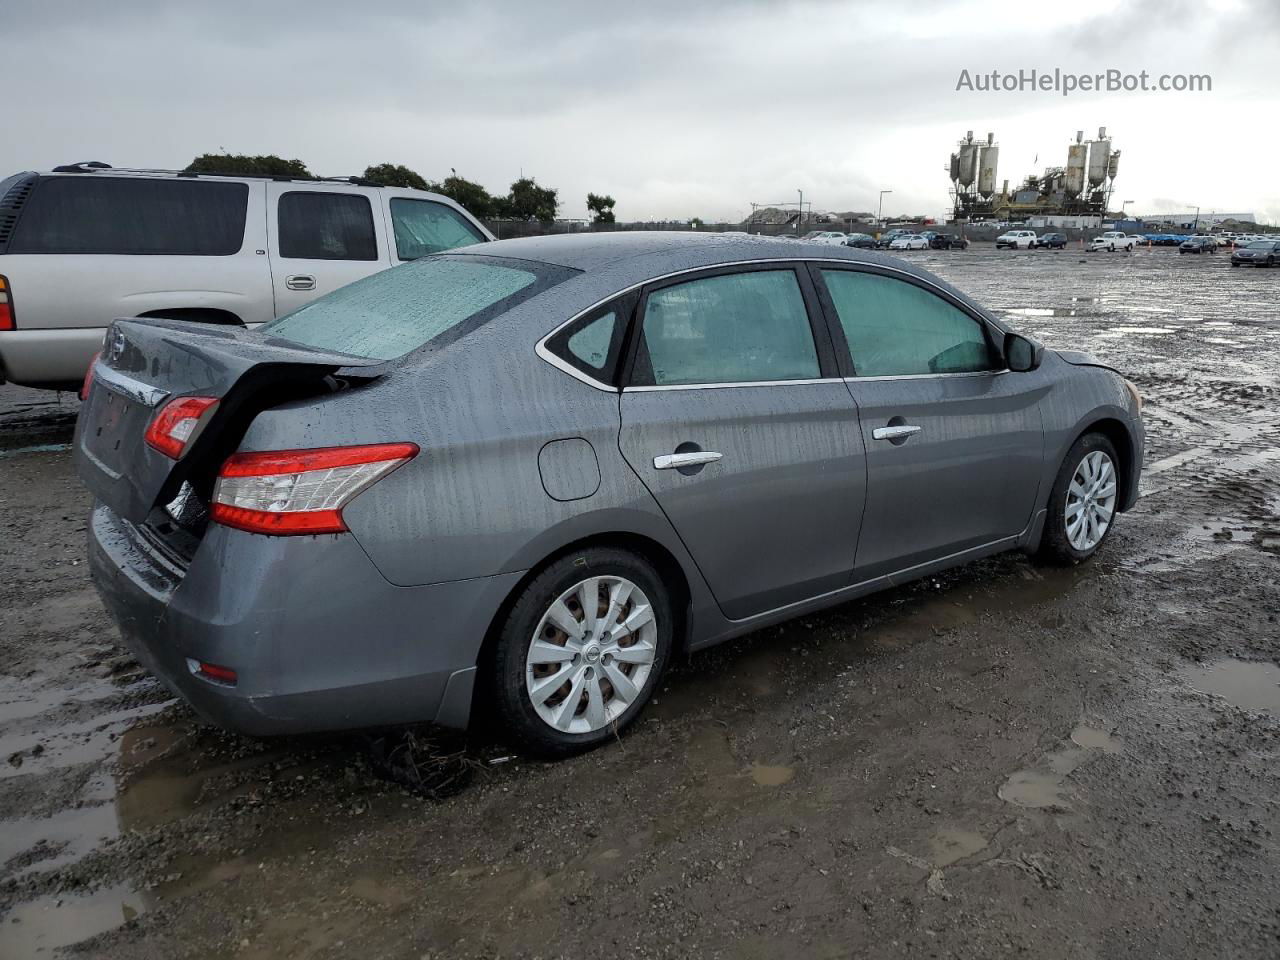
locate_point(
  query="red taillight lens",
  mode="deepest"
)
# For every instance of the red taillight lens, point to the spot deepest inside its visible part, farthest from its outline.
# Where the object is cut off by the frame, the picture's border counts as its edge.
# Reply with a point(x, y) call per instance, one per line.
point(88, 377)
point(287, 492)
point(6, 307)
point(175, 424)
point(213, 671)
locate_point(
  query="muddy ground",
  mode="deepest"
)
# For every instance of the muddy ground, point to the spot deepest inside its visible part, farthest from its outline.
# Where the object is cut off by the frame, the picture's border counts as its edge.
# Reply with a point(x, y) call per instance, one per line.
point(1005, 760)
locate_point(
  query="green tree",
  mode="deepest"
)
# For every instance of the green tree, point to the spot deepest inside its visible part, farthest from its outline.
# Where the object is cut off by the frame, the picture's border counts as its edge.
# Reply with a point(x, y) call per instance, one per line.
point(267, 165)
point(395, 175)
point(470, 195)
point(601, 205)
point(696, 223)
point(528, 201)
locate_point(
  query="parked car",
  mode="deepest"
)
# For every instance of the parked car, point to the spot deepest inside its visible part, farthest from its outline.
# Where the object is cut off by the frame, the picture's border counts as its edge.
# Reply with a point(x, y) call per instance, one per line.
point(1198, 245)
point(418, 508)
point(1016, 239)
point(82, 245)
point(863, 241)
point(832, 237)
point(1259, 253)
point(1052, 241)
point(948, 241)
point(888, 237)
point(909, 241)
point(1112, 241)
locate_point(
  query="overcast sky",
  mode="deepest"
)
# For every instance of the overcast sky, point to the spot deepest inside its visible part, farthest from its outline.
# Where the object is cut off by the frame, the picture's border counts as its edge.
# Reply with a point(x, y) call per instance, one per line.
point(677, 109)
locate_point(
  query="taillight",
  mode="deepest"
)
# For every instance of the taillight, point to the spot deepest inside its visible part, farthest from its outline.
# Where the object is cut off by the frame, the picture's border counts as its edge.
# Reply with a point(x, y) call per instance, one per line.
point(6, 307)
point(286, 492)
point(172, 428)
point(88, 377)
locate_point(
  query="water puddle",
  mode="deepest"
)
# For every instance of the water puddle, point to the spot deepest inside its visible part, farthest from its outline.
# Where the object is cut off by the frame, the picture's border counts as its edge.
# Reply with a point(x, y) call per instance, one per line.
point(769, 776)
point(1246, 684)
point(1044, 787)
point(35, 448)
point(950, 846)
point(39, 927)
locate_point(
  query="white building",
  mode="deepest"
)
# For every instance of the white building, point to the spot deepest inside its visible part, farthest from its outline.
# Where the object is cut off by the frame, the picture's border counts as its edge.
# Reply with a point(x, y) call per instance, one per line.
point(1189, 219)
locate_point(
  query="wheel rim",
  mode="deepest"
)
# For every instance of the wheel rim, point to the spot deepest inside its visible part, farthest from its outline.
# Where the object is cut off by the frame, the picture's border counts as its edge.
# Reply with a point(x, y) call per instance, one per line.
point(591, 654)
point(1091, 501)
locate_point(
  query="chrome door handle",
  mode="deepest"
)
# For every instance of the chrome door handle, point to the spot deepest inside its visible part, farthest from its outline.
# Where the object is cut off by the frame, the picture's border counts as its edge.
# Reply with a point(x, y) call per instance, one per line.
point(300, 281)
point(895, 433)
point(673, 461)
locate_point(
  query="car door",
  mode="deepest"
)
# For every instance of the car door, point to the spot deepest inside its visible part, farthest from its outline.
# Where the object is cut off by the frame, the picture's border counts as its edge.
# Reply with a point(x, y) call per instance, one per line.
point(322, 237)
point(953, 439)
point(736, 419)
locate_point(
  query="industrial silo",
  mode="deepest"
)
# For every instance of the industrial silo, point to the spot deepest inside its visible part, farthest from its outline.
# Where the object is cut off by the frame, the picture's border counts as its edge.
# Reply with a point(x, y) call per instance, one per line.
point(1077, 160)
point(987, 167)
point(968, 163)
point(1099, 158)
point(1113, 165)
point(955, 167)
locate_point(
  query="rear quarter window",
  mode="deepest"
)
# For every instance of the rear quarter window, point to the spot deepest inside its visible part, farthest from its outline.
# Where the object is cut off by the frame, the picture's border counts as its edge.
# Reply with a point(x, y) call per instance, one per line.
point(86, 214)
point(435, 299)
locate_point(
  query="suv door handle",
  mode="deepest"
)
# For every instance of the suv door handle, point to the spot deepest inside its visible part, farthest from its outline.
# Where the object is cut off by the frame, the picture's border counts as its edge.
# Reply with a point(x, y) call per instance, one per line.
point(673, 461)
point(300, 281)
point(895, 433)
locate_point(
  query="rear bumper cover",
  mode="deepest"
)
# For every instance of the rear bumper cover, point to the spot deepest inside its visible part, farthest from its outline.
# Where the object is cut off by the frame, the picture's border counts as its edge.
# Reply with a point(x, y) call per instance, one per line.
point(319, 639)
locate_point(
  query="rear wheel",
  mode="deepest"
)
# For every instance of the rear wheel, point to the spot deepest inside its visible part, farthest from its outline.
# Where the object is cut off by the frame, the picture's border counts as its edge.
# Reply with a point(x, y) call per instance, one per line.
point(1083, 502)
point(582, 651)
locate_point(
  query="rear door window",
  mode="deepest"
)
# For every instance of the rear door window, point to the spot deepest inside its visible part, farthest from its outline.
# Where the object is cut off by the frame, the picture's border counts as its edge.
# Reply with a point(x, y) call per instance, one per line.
point(390, 313)
point(88, 213)
point(423, 227)
point(897, 329)
point(732, 328)
point(326, 226)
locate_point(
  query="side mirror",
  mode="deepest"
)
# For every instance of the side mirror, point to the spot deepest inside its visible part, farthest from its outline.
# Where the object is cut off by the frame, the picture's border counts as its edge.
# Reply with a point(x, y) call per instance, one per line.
point(1022, 353)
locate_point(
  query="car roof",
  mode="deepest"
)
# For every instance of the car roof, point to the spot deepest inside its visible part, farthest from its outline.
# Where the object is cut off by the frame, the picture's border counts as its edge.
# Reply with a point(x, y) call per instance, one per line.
point(618, 260)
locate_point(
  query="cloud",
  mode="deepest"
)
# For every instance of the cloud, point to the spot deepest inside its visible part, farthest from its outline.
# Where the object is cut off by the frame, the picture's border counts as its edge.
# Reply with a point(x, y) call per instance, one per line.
point(674, 108)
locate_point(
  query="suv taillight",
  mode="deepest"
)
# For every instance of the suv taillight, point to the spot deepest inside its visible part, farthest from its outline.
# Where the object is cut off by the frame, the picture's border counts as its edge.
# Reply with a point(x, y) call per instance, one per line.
point(285, 492)
point(173, 427)
point(6, 306)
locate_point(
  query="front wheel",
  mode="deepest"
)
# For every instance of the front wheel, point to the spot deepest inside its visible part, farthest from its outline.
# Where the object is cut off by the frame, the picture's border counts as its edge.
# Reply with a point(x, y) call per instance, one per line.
point(1082, 505)
point(582, 651)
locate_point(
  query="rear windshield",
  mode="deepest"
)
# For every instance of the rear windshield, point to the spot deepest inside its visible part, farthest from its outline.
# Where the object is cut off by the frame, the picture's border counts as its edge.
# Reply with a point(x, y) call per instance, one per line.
point(87, 213)
point(388, 314)
point(1260, 245)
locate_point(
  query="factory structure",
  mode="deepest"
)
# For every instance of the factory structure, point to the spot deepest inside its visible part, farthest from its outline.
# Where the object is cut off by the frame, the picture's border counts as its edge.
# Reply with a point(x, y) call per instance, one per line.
point(1076, 195)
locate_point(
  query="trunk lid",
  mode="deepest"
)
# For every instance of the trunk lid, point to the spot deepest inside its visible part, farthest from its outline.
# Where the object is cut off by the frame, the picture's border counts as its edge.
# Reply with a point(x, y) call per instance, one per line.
point(147, 362)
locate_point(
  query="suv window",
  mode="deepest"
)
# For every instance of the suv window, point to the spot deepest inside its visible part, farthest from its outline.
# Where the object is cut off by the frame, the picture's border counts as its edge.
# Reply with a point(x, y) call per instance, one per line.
point(87, 213)
point(895, 328)
point(732, 328)
point(423, 227)
point(326, 226)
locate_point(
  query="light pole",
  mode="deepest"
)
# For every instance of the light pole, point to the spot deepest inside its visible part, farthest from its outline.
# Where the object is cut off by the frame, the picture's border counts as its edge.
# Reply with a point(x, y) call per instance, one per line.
point(800, 215)
point(880, 209)
point(1195, 227)
point(1122, 206)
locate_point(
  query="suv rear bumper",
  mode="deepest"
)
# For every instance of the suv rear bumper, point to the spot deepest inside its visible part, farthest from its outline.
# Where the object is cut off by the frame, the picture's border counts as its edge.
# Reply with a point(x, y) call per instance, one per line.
point(37, 358)
point(318, 638)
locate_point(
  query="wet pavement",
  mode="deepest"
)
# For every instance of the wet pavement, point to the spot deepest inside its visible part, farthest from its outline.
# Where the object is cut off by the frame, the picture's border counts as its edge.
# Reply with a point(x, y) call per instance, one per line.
point(1003, 760)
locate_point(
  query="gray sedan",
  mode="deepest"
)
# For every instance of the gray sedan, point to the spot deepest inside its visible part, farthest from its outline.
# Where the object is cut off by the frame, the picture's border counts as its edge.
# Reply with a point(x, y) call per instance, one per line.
point(524, 475)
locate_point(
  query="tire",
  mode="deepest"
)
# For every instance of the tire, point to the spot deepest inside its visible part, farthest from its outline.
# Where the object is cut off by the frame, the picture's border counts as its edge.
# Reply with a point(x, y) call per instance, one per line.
point(1059, 544)
point(588, 674)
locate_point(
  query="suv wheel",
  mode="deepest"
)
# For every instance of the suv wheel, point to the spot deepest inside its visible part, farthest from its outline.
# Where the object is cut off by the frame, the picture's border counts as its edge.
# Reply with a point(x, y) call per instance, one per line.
point(1083, 502)
point(581, 651)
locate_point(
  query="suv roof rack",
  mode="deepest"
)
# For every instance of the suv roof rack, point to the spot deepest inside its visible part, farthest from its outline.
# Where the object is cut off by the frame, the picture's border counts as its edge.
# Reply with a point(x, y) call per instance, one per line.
point(91, 166)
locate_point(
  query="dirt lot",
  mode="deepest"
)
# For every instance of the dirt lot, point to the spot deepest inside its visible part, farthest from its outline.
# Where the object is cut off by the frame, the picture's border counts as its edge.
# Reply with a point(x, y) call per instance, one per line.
point(1006, 760)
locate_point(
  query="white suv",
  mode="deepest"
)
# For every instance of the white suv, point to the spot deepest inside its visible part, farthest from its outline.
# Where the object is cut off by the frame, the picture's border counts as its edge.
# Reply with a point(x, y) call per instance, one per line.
point(1113, 240)
point(83, 245)
point(1015, 239)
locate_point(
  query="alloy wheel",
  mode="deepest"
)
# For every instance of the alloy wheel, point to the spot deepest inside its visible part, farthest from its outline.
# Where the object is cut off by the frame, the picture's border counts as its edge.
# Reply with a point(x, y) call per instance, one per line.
point(591, 654)
point(1091, 501)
